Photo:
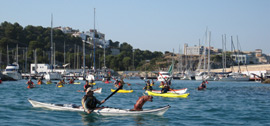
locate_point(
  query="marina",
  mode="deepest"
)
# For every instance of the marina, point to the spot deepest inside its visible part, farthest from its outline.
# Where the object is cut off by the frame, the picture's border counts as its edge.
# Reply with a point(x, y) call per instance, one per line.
point(223, 103)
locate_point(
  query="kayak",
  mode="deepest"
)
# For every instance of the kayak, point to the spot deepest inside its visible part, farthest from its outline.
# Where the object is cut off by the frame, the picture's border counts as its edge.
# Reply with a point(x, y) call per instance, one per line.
point(60, 86)
point(171, 95)
point(107, 82)
point(92, 83)
point(77, 83)
point(178, 91)
point(102, 111)
point(48, 82)
point(98, 90)
point(29, 87)
point(161, 86)
point(122, 91)
point(201, 88)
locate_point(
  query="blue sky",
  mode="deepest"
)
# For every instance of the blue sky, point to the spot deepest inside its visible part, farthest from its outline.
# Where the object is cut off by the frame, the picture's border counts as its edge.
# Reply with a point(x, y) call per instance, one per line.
point(155, 25)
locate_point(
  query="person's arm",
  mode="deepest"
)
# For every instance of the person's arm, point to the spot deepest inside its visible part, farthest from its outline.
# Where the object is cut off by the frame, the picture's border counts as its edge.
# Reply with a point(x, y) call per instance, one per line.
point(86, 109)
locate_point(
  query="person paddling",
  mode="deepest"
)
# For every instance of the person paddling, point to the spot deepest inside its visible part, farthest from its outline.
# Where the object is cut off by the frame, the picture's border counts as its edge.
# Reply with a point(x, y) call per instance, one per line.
point(148, 86)
point(71, 81)
point(202, 86)
point(87, 85)
point(89, 101)
point(40, 82)
point(166, 88)
point(120, 84)
point(60, 83)
point(140, 102)
point(30, 84)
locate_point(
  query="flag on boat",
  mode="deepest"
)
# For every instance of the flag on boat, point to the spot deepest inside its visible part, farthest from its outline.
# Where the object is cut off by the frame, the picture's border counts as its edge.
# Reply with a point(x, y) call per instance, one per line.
point(170, 69)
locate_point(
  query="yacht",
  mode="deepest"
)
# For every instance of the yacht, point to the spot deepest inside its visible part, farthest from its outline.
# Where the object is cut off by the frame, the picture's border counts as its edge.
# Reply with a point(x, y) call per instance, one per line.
point(12, 71)
point(234, 77)
point(52, 76)
point(163, 75)
point(204, 76)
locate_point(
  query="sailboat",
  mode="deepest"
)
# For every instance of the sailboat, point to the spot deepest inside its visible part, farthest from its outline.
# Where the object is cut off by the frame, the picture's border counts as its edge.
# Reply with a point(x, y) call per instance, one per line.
point(162, 75)
point(12, 70)
point(206, 75)
point(52, 75)
point(235, 76)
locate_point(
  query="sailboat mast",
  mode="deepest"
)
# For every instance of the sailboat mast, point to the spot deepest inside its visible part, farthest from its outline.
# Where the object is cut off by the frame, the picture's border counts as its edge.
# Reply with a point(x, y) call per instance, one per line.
point(222, 41)
point(64, 52)
point(225, 60)
point(208, 67)
point(17, 55)
point(84, 57)
point(104, 54)
point(204, 53)
point(53, 55)
point(51, 64)
point(94, 39)
point(7, 56)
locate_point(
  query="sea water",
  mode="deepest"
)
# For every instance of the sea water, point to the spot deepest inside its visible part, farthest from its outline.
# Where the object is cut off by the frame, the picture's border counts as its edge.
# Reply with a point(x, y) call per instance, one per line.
point(222, 103)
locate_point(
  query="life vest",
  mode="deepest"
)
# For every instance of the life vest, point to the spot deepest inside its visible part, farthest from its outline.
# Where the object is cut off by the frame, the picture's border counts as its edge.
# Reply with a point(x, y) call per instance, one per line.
point(87, 86)
point(149, 88)
point(91, 103)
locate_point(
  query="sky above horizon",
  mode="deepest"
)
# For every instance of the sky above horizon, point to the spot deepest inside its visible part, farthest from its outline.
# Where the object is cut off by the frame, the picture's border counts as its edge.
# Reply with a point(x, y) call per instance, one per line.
point(155, 25)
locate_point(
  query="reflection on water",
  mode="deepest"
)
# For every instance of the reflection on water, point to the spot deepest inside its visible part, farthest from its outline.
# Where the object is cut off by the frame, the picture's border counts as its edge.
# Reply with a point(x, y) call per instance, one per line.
point(89, 119)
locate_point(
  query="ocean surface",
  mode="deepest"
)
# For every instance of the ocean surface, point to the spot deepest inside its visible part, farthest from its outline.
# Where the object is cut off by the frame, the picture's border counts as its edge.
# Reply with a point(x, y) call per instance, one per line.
point(223, 103)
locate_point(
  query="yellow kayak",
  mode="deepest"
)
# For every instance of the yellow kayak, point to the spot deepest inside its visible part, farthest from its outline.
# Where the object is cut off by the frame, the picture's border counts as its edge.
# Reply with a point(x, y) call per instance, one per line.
point(122, 91)
point(77, 83)
point(48, 82)
point(171, 95)
point(60, 86)
point(92, 83)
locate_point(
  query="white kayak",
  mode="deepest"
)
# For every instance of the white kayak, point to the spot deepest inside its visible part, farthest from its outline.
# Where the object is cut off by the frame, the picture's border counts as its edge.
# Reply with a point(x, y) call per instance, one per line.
point(98, 90)
point(178, 91)
point(102, 111)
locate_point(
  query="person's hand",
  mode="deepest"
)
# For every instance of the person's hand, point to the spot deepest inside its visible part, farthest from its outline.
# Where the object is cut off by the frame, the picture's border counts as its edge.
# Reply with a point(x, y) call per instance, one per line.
point(89, 111)
point(102, 101)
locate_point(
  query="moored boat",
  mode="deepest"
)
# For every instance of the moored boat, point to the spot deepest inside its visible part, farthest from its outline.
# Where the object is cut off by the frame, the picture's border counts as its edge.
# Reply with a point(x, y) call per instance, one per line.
point(101, 111)
point(172, 95)
point(122, 91)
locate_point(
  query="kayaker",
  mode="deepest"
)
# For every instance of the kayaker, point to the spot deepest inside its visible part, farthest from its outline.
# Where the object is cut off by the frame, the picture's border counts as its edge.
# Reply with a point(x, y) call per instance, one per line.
point(49, 82)
point(60, 83)
point(161, 84)
point(202, 85)
point(140, 102)
point(0, 80)
point(89, 101)
point(71, 81)
point(40, 82)
point(148, 86)
point(87, 85)
point(30, 84)
point(153, 83)
point(120, 84)
point(166, 88)
point(116, 83)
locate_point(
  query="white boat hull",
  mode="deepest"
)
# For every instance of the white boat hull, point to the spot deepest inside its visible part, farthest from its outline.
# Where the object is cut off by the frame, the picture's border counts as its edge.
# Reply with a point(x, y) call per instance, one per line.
point(52, 76)
point(103, 111)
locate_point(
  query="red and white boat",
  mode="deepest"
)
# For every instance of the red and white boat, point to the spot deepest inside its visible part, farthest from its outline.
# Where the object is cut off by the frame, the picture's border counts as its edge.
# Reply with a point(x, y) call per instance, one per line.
point(178, 91)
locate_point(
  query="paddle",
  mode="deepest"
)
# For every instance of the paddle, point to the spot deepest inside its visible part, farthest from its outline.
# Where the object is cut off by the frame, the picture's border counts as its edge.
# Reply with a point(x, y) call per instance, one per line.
point(165, 80)
point(108, 97)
